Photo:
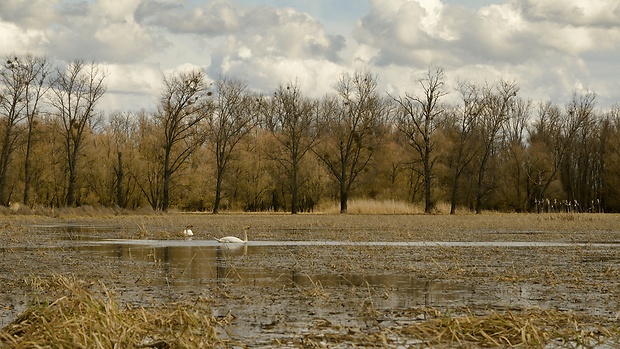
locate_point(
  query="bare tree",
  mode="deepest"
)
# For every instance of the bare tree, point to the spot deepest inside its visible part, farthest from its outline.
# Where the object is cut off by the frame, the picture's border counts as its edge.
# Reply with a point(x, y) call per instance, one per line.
point(23, 80)
point(552, 139)
point(514, 150)
point(148, 172)
point(292, 120)
point(495, 113)
point(579, 163)
point(546, 149)
point(417, 119)
point(354, 120)
point(183, 105)
point(13, 84)
point(464, 120)
point(230, 120)
point(75, 93)
point(38, 71)
point(610, 186)
point(123, 131)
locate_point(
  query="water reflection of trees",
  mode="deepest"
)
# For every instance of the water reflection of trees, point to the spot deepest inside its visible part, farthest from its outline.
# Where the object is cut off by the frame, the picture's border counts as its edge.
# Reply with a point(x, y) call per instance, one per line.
point(179, 266)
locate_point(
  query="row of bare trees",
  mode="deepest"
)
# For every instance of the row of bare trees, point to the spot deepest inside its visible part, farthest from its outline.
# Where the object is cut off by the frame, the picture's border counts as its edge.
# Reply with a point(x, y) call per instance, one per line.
point(217, 145)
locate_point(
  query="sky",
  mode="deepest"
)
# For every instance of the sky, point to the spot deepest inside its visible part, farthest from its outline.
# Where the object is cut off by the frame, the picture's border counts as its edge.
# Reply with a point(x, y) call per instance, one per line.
point(550, 48)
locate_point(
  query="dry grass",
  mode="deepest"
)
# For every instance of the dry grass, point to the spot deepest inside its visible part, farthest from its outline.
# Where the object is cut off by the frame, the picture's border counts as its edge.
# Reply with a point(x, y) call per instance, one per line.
point(79, 318)
point(366, 206)
point(388, 207)
point(16, 209)
point(533, 328)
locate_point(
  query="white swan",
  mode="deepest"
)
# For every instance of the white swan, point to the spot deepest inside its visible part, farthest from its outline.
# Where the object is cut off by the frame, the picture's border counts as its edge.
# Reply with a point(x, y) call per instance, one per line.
point(188, 231)
point(234, 239)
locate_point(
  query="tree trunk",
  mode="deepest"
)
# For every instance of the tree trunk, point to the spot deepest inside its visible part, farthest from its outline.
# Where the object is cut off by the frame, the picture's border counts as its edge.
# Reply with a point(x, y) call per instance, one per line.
point(428, 208)
point(455, 179)
point(27, 165)
point(455, 188)
point(344, 194)
point(120, 175)
point(294, 190)
point(479, 186)
point(165, 202)
point(71, 186)
point(4, 164)
point(343, 201)
point(218, 193)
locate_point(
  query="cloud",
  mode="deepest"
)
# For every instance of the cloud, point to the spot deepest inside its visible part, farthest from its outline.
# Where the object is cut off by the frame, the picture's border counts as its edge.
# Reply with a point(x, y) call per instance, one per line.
point(14, 40)
point(35, 14)
point(548, 47)
point(593, 13)
point(290, 34)
point(315, 77)
point(544, 45)
point(415, 31)
point(213, 19)
point(260, 31)
point(102, 30)
point(394, 28)
point(131, 86)
point(423, 32)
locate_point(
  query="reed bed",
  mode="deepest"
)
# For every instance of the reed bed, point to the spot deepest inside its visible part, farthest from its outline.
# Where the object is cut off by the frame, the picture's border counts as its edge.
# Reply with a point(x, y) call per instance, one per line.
point(80, 318)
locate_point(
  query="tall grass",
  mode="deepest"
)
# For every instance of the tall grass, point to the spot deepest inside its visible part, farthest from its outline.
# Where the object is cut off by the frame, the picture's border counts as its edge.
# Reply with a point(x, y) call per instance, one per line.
point(366, 206)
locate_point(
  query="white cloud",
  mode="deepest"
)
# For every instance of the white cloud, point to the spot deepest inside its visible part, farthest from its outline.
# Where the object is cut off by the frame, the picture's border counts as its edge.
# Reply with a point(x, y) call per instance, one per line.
point(214, 18)
point(603, 13)
point(315, 77)
point(14, 40)
point(131, 86)
point(264, 31)
point(102, 30)
point(35, 14)
point(540, 44)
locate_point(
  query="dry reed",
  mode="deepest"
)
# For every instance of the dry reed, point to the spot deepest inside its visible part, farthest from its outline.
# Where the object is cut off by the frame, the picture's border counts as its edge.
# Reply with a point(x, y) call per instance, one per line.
point(365, 206)
point(532, 328)
point(79, 318)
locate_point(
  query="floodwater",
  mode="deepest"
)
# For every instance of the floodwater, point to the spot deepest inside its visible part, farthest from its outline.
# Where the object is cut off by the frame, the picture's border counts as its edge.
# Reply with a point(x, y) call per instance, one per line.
point(195, 262)
point(282, 289)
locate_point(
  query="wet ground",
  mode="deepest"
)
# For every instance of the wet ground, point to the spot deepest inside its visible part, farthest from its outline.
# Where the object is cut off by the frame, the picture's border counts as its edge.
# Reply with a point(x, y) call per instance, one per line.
point(301, 279)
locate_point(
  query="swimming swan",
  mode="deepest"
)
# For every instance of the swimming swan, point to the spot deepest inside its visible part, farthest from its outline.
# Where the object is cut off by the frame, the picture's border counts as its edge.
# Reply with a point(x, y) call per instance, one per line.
point(188, 231)
point(234, 239)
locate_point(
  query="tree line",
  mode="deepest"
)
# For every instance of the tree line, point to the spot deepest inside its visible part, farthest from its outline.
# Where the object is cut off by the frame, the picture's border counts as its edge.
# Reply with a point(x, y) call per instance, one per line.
point(217, 145)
